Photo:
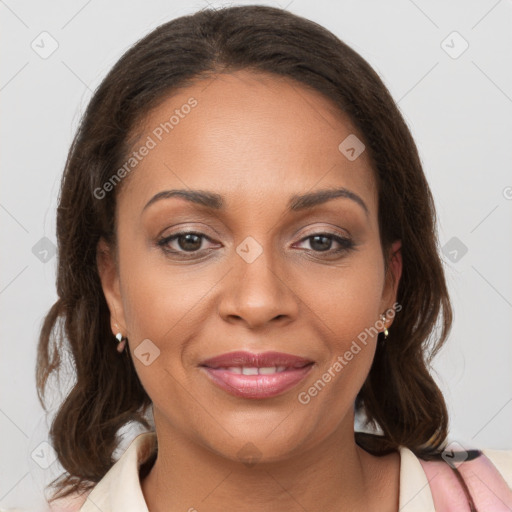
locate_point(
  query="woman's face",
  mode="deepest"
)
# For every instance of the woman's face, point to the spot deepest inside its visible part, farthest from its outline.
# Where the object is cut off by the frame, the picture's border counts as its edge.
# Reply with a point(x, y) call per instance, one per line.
point(253, 276)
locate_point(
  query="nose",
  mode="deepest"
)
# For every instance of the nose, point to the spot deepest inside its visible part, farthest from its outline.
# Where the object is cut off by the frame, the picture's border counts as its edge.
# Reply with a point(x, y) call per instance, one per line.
point(256, 294)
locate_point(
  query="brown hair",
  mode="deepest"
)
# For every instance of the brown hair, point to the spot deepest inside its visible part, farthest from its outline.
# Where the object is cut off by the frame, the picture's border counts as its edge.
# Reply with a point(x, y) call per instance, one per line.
point(399, 395)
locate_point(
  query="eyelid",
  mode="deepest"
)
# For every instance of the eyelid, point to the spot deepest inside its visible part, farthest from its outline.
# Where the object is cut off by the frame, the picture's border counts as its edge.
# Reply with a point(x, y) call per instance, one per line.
point(189, 227)
point(331, 230)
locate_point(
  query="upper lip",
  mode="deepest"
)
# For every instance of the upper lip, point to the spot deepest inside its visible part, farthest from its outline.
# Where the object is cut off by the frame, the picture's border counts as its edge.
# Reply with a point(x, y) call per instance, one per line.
point(256, 360)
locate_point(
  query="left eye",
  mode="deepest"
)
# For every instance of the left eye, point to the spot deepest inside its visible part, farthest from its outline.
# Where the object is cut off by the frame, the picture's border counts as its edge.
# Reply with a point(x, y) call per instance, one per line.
point(322, 242)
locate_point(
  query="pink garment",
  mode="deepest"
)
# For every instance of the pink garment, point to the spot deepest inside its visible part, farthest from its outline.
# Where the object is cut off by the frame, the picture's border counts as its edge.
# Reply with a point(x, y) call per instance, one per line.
point(488, 489)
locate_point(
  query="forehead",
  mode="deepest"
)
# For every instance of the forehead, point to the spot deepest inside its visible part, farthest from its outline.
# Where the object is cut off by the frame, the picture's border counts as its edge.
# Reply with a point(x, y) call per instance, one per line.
point(249, 136)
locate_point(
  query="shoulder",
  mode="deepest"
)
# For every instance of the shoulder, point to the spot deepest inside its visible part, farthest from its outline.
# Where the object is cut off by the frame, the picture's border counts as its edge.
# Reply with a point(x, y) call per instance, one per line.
point(120, 486)
point(484, 476)
point(502, 460)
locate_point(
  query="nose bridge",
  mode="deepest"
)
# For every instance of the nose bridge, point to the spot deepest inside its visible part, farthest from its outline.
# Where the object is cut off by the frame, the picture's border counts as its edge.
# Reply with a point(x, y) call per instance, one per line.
point(257, 292)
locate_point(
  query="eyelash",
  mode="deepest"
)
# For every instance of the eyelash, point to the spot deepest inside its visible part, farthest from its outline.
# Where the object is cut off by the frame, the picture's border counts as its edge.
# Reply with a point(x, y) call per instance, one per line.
point(346, 244)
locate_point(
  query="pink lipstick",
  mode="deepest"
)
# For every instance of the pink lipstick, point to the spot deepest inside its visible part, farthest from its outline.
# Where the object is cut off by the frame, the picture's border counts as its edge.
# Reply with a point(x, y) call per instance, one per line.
point(249, 375)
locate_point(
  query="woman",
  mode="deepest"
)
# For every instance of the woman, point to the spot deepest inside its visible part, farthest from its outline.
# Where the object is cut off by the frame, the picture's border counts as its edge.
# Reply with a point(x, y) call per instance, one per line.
point(247, 260)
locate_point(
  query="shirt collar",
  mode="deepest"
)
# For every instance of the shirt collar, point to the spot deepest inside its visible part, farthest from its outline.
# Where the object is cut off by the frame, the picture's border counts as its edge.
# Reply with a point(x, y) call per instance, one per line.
point(120, 491)
point(415, 494)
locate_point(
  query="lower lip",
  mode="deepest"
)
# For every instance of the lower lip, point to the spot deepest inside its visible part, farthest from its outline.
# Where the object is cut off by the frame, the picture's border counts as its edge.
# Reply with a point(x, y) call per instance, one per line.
point(257, 386)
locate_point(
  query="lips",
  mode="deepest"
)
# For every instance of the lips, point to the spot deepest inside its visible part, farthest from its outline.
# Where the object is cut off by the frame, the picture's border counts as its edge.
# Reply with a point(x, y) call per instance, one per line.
point(256, 376)
point(261, 360)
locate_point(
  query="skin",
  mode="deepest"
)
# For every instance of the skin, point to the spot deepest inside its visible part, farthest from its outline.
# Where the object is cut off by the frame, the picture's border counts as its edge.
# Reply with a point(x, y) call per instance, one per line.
point(256, 139)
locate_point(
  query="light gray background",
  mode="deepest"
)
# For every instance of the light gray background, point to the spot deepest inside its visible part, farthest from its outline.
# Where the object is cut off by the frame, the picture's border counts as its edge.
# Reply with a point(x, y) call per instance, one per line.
point(459, 111)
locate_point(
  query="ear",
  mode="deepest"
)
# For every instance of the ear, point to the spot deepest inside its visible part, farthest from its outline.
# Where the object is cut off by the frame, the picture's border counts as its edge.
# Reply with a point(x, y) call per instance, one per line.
point(109, 277)
point(393, 275)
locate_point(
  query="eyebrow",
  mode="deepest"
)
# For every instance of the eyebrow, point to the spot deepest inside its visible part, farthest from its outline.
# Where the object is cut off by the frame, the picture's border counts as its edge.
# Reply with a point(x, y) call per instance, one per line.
point(296, 202)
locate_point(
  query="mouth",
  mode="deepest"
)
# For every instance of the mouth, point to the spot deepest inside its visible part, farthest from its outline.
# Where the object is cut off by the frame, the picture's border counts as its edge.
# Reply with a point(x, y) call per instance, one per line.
point(256, 376)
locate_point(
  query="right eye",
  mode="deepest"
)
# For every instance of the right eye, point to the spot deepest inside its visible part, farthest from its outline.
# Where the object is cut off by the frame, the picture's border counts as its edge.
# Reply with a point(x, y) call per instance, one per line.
point(184, 242)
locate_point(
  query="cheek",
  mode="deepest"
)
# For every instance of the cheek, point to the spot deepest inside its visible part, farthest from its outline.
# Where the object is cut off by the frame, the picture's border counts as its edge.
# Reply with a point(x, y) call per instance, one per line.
point(163, 305)
point(345, 308)
point(159, 299)
point(347, 299)
point(349, 345)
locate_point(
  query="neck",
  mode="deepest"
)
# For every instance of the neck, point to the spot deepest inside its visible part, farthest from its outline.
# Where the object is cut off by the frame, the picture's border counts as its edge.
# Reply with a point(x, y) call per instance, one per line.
point(333, 475)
